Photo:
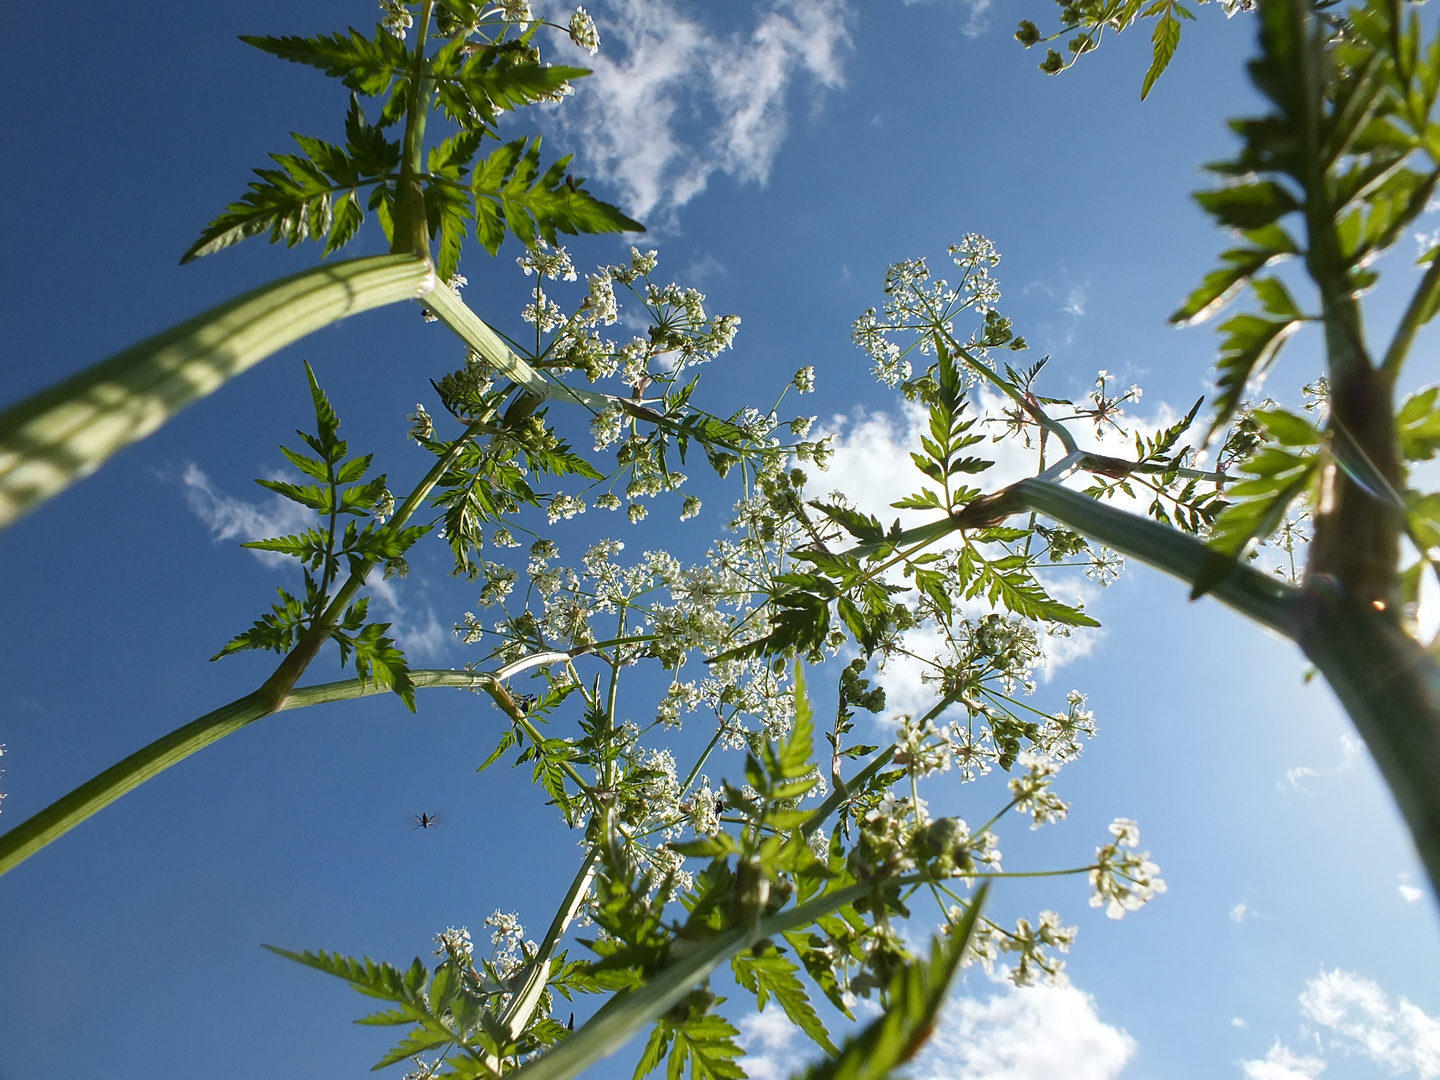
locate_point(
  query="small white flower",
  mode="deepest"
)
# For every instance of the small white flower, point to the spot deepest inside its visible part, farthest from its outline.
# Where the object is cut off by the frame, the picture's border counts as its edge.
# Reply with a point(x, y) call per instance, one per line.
point(564, 506)
point(421, 426)
point(804, 380)
point(396, 18)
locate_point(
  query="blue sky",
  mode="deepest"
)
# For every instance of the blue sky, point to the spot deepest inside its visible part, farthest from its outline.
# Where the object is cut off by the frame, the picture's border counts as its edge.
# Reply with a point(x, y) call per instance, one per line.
point(784, 154)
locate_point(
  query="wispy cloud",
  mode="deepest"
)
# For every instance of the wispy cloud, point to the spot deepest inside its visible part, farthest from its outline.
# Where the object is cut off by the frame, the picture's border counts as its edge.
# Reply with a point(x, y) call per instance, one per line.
point(1295, 779)
point(977, 14)
point(229, 518)
point(1395, 1034)
point(1409, 893)
point(773, 1045)
point(1029, 1033)
point(672, 101)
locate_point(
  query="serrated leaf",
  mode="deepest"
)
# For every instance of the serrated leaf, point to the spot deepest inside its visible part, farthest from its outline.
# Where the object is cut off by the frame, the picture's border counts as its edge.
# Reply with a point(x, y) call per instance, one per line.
point(1418, 425)
point(366, 65)
point(1238, 265)
point(1164, 40)
point(1248, 206)
point(1250, 345)
point(379, 980)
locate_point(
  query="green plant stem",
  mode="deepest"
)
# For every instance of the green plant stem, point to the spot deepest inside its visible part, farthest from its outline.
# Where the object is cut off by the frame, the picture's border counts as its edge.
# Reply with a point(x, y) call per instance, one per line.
point(451, 310)
point(625, 1014)
point(66, 432)
point(412, 229)
point(1264, 598)
point(523, 1002)
point(1419, 311)
point(61, 816)
point(1390, 686)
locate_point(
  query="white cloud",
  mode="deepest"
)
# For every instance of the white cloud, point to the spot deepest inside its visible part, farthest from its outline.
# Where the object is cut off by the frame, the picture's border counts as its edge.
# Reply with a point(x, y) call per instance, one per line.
point(1029, 1033)
point(1238, 913)
point(1282, 1063)
point(660, 71)
point(1398, 1035)
point(1409, 893)
point(772, 1045)
point(229, 518)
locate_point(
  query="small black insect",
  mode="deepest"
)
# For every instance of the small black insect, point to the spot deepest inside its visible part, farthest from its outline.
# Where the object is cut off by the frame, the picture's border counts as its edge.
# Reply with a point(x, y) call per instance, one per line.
point(426, 821)
point(571, 1024)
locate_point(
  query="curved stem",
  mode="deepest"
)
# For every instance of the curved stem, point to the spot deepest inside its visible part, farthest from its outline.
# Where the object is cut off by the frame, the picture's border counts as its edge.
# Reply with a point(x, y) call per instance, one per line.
point(95, 794)
point(65, 433)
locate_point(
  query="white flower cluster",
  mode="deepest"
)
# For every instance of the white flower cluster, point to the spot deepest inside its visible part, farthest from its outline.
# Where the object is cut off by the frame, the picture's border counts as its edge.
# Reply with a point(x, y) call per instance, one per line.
point(456, 945)
point(921, 305)
point(990, 940)
point(517, 11)
point(583, 32)
point(1123, 880)
point(547, 264)
point(1032, 793)
point(1105, 566)
point(564, 506)
point(1061, 735)
point(421, 425)
point(510, 949)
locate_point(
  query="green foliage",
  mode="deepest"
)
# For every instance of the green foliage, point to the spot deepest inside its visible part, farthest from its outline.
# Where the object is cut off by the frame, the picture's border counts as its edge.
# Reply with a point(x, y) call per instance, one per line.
point(1088, 20)
point(314, 195)
point(768, 973)
point(341, 491)
point(471, 79)
point(1279, 473)
point(1353, 184)
point(950, 433)
point(915, 996)
point(453, 1009)
point(697, 1037)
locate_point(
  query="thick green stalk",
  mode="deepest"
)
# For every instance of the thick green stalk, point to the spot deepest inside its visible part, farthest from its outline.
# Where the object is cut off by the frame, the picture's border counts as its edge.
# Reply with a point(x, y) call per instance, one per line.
point(412, 229)
point(625, 1014)
point(447, 306)
point(1390, 686)
point(1264, 598)
point(94, 795)
point(523, 1002)
point(62, 434)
